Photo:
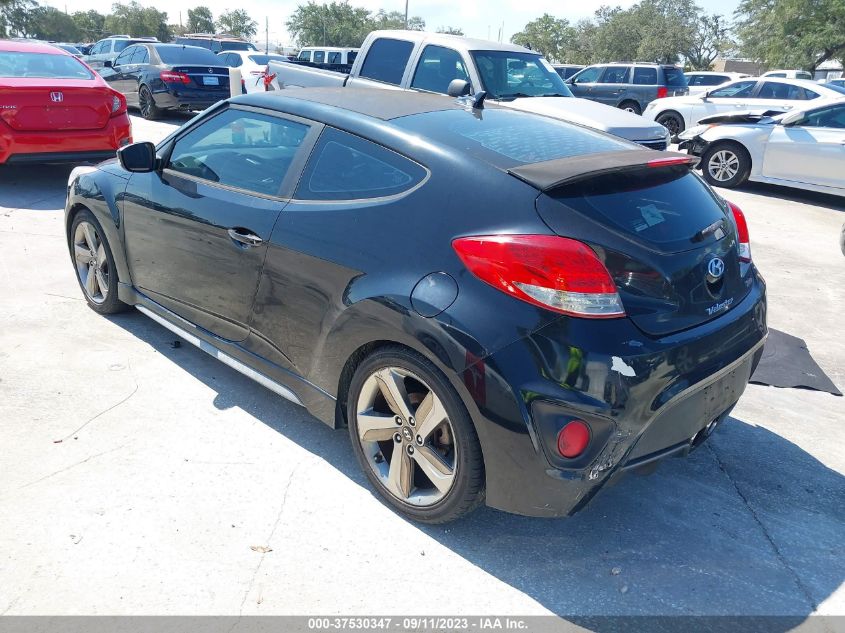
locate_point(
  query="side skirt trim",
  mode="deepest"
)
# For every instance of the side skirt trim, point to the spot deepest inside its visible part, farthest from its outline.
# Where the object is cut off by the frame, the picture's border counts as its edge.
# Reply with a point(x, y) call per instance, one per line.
point(234, 363)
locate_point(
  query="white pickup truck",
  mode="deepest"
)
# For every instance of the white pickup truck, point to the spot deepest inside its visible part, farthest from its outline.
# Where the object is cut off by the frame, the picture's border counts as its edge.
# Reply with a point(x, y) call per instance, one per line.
point(511, 75)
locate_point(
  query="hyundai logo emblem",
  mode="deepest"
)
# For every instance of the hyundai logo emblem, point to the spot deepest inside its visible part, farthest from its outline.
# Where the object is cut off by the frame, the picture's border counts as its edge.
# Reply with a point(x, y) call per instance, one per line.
point(57, 97)
point(716, 268)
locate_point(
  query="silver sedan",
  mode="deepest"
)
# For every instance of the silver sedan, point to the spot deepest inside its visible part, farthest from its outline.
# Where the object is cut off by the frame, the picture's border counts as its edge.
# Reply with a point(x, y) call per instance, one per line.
point(804, 148)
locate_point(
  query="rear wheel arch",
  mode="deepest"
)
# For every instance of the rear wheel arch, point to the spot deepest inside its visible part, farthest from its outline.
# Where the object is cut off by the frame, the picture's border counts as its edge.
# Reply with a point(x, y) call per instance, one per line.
point(630, 104)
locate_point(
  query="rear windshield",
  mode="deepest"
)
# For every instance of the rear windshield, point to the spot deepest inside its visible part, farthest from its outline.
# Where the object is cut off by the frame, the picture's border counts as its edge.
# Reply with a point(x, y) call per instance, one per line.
point(507, 138)
point(674, 76)
point(663, 206)
point(187, 55)
point(42, 65)
point(228, 45)
point(262, 60)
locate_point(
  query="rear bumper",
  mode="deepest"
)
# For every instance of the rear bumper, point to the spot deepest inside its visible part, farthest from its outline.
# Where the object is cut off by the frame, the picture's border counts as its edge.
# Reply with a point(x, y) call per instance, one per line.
point(188, 99)
point(64, 145)
point(643, 398)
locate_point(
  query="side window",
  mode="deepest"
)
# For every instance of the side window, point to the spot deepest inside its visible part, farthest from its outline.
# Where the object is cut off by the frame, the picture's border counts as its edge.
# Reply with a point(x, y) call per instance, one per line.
point(832, 117)
point(350, 56)
point(735, 90)
point(780, 75)
point(305, 56)
point(334, 57)
point(346, 167)
point(714, 80)
point(140, 56)
point(96, 49)
point(386, 60)
point(437, 67)
point(645, 76)
point(240, 149)
point(319, 57)
point(616, 75)
point(588, 75)
point(125, 57)
point(106, 47)
point(809, 94)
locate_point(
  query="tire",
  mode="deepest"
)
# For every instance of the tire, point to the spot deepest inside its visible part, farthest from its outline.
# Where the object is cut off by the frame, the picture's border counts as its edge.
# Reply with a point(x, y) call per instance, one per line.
point(631, 106)
point(673, 122)
point(93, 262)
point(442, 442)
point(726, 164)
point(147, 104)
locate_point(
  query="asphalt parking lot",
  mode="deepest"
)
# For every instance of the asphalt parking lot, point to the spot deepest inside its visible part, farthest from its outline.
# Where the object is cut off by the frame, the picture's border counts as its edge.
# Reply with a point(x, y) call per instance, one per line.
point(138, 477)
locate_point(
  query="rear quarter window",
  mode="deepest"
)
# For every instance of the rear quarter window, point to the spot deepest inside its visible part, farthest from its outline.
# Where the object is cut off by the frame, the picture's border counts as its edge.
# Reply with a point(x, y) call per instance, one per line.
point(386, 60)
point(674, 76)
point(645, 76)
point(346, 167)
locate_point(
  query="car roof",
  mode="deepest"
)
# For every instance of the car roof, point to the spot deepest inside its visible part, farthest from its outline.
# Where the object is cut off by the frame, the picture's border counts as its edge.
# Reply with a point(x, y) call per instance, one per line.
point(327, 48)
point(452, 41)
point(378, 104)
point(10, 46)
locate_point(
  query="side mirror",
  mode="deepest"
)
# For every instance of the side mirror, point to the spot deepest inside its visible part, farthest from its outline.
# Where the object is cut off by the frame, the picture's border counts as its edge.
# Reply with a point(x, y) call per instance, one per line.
point(791, 120)
point(458, 88)
point(138, 158)
point(108, 63)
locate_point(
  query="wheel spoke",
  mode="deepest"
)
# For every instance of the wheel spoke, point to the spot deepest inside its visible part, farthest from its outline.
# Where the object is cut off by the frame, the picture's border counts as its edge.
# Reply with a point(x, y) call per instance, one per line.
point(430, 414)
point(90, 237)
point(101, 256)
point(393, 389)
point(91, 282)
point(399, 476)
point(437, 470)
point(375, 427)
point(102, 282)
point(82, 254)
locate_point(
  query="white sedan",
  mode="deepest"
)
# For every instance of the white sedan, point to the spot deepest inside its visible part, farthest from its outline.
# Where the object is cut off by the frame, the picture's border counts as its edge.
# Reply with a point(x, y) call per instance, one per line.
point(803, 148)
point(679, 113)
point(253, 66)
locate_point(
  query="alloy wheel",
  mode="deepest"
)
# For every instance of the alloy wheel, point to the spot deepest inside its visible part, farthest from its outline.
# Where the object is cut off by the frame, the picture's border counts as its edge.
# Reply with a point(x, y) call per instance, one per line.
point(723, 165)
point(672, 124)
point(92, 265)
point(145, 103)
point(406, 436)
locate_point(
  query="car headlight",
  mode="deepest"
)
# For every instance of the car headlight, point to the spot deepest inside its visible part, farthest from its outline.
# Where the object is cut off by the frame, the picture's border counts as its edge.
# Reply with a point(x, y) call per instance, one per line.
point(693, 132)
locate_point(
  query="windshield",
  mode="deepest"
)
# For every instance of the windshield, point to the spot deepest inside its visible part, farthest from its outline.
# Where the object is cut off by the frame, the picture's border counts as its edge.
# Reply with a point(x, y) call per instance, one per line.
point(187, 55)
point(508, 75)
point(42, 65)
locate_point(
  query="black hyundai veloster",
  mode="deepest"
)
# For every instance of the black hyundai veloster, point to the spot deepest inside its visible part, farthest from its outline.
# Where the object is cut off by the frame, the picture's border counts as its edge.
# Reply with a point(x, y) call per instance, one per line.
point(501, 307)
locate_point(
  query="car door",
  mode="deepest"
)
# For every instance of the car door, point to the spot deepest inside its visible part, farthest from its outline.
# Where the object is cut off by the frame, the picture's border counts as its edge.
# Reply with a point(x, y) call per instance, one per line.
point(582, 84)
point(727, 98)
point(133, 71)
point(120, 66)
point(196, 229)
point(811, 150)
point(777, 95)
point(612, 84)
point(100, 53)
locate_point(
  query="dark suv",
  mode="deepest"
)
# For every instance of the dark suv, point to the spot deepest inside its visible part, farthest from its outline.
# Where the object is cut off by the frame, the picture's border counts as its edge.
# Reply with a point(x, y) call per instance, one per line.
point(627, 85)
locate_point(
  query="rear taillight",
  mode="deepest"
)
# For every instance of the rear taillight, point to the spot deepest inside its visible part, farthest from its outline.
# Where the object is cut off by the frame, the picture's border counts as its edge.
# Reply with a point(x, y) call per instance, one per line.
point(118, 104)
point(662, 92)
point(556, 273)
point(171, 77)
point(742, 233)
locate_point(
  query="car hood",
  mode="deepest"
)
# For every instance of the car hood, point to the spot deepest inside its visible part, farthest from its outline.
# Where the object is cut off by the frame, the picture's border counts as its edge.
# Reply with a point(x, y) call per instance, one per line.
point(591, 114)
point(747, 116)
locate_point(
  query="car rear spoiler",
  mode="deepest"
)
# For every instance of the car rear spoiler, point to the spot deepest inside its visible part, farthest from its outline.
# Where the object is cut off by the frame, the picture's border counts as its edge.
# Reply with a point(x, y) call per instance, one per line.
point(551, 174)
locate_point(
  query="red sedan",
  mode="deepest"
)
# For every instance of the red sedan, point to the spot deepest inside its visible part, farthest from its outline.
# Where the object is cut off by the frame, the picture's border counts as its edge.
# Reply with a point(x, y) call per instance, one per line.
point(54, 108)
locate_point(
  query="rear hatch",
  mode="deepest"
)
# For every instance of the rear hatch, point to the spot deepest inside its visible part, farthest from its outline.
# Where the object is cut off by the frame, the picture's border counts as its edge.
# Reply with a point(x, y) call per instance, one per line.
point(211, 78)
point(676, 81)
point(657, 229)
point(34, 105)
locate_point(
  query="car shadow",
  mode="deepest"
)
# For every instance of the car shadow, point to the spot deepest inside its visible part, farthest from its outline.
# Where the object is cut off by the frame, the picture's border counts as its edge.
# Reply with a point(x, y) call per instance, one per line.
point(749, 524)
point(34, 187)
point(790, 194)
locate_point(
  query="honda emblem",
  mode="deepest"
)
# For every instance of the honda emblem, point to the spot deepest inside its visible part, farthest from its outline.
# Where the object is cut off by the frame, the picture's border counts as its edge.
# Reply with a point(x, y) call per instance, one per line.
point(57, 97)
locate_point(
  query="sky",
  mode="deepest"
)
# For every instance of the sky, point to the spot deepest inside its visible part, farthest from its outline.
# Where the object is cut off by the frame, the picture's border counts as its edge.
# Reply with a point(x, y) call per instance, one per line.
point(477, 19)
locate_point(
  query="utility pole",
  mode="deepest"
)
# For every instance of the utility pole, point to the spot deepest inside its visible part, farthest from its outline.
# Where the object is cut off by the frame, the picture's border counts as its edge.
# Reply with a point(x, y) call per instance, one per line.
point(406, 15)
point(266, 34)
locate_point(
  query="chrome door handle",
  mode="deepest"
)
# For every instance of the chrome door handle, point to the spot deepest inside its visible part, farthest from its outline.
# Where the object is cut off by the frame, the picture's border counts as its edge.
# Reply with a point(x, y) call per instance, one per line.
point(244, 236)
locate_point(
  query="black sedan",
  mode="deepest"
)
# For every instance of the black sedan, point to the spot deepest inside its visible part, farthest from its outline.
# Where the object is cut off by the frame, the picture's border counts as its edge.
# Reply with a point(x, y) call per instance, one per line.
point(501, 307)
point(157, 77)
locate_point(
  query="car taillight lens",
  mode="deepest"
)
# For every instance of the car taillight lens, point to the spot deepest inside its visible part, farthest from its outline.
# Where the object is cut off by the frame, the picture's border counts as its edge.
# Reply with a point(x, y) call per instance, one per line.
point(573, 439)
point(742, 233)
point(662, 92)
point(118, 104)
point(171, 77)
point(556, 273)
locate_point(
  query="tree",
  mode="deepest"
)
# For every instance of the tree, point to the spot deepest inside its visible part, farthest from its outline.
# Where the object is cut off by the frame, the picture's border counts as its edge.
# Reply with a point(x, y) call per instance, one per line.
point(395, 20)
point(547, 35)
point(792, 33)
point(237, 22)
point(334, 24)
point(710, 40)
point(91, 24)
point(48, 23)
point(450, 30)
point(200, 20)
point(133, 19)
point(15, 17)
